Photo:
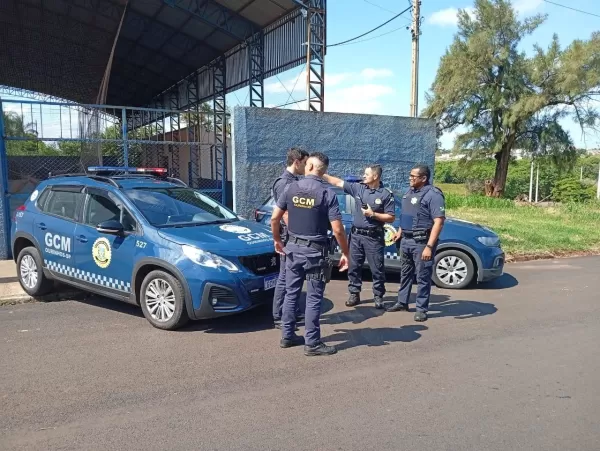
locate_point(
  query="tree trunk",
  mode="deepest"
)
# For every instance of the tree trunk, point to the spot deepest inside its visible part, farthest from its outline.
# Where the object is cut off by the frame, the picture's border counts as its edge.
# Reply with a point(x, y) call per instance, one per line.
point(502, 160)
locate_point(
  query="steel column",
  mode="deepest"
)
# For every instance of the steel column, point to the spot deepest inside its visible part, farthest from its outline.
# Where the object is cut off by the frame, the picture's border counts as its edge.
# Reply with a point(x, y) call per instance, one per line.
point(315, 55)
point(220, 127)
point(5, 250)
point(193, 129)
point(256, 61)
point(175, 126)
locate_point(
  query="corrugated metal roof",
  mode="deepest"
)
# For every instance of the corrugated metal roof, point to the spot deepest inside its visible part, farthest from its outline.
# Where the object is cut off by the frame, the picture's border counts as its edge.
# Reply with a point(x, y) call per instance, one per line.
point(62, 47)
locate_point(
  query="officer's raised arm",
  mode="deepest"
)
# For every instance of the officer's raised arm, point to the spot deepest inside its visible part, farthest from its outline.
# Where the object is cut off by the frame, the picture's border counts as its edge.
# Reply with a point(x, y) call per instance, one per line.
point(348, 187)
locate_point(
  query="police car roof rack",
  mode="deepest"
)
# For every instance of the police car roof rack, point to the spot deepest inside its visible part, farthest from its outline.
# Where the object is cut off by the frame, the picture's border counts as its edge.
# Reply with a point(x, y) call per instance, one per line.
point(98, 178)
point(116, 172)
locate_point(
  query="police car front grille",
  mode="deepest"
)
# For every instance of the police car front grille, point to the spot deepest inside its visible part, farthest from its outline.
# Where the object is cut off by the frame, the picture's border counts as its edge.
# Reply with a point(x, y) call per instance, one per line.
point(261, 297)
point(262, 264)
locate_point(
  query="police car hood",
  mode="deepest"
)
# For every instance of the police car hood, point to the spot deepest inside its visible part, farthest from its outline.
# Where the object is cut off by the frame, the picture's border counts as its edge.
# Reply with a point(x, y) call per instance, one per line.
point(230, 239)
point(481, 230)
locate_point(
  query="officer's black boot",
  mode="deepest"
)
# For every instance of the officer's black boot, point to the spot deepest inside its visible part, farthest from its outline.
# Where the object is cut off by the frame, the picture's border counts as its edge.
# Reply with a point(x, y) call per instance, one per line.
point(353, 300)
point(379, 303)
point(296, 340)
point(397, 307)
point(420, 316)
point(319, 349)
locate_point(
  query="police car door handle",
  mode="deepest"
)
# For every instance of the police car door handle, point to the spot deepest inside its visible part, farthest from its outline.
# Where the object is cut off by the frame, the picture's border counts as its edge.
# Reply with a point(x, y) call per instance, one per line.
point(82, 238)
point(42, 226)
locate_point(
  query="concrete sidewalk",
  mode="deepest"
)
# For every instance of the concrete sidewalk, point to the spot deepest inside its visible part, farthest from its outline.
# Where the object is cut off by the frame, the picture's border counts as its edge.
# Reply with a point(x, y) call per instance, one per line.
point(12, 293)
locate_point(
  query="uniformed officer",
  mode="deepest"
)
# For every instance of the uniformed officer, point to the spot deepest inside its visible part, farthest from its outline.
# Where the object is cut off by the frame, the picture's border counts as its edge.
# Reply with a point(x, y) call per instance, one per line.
point(311, 207)
point(296, 160)
point(374, 207)
point(421, 222)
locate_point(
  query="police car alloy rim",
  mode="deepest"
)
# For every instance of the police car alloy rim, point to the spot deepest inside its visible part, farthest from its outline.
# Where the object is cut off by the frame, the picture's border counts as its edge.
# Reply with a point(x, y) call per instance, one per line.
point(160, 300)
point(451, 270)
point(29, 273)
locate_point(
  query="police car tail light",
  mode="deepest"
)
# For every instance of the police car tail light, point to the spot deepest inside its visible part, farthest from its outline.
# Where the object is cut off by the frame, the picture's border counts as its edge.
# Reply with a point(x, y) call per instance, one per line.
point(207, 259)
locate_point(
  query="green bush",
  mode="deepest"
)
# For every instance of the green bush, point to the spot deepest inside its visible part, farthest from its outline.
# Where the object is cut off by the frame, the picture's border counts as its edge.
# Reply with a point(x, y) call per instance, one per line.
point(571, 189)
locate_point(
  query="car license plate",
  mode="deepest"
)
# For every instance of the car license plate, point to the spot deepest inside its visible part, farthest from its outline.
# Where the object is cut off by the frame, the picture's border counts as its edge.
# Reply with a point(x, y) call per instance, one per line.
point(271, 281)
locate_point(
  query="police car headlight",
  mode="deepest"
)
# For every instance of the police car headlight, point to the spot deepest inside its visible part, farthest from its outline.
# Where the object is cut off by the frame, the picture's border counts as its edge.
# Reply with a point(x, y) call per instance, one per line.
point(491, 241)
point(207, 259)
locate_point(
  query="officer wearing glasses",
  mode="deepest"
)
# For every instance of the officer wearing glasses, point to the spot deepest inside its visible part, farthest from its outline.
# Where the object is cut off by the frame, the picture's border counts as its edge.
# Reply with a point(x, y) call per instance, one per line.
point(421, 222)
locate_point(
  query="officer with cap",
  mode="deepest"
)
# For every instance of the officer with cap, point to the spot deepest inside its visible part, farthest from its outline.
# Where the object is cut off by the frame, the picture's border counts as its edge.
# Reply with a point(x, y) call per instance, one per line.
point(374, 207)
point(421, 222)
point(296, 160)
point(311, 206)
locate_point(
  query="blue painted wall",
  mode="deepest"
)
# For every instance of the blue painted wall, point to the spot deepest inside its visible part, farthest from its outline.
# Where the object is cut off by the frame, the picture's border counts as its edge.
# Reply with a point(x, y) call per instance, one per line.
point(261, 137)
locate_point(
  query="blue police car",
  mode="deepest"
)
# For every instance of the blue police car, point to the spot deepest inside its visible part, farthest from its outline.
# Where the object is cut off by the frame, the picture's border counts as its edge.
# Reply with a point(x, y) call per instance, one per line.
point(136, 235)
point(466, 252)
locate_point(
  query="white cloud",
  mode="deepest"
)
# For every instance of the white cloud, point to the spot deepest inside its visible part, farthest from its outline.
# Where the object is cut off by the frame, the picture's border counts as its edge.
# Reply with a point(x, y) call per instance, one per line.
point(447, 17)
point(360, 98)
point(526, 6)
point(370, 73)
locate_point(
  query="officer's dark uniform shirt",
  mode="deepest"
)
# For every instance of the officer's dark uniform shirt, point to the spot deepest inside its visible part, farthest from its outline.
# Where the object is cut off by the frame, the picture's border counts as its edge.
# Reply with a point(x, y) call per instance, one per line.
point(311, 205)
point(420, 207)
point(277, 191)
point(380, 199)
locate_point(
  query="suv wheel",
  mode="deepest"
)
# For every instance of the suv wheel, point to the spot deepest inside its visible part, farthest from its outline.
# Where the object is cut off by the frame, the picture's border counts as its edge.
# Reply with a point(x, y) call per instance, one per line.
point(453, 270)
point(31, 273)
point(162, 301)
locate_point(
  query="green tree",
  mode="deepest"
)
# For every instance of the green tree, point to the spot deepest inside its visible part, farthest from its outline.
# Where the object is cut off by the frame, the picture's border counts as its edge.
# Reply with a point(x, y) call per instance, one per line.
point(506, 100)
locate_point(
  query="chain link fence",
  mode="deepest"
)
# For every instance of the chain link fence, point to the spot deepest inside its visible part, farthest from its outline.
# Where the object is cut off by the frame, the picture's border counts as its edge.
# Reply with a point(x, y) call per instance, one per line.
point(44, 139)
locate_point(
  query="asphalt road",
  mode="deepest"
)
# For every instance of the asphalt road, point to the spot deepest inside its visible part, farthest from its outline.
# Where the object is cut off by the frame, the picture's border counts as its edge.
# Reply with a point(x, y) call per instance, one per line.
point(509, 366)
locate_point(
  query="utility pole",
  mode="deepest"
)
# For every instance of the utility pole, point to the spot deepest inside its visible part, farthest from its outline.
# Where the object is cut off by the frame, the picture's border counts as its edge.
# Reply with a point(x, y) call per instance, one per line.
point(598, 189)
point(416, 32)
point(537, 183)
point(531, 183)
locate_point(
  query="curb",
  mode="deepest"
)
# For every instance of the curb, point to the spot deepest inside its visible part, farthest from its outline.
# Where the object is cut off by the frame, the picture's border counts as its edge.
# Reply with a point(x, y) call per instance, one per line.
point(27, 299)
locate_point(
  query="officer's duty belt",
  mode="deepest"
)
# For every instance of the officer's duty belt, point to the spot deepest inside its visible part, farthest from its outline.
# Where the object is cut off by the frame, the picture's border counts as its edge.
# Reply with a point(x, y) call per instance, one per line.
point(372, 232)
point(303, 242)
point(417, 234)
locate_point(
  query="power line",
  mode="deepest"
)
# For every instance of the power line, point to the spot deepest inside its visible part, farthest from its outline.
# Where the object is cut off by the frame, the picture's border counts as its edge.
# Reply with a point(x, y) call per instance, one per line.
point(573, 9)
point(380, 7)
point(370, 31)
point(378, 36)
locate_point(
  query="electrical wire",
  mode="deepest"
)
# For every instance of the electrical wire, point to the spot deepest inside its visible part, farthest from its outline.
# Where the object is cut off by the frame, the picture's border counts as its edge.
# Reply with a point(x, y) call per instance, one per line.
point(380, 7)
point(573, 9)
point(378, 36)
point(370, 31)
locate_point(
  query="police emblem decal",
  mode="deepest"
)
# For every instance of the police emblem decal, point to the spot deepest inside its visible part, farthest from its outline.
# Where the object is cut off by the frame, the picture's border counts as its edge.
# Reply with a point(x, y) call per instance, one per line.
point(101, 252)
point(234, 229)
point(413, 200)
point(378, 201)
point(389, 233)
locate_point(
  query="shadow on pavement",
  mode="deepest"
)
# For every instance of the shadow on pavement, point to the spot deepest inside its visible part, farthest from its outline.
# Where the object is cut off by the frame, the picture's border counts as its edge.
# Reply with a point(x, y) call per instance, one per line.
point(442, 306)
point(501, 283)
point(351, 338)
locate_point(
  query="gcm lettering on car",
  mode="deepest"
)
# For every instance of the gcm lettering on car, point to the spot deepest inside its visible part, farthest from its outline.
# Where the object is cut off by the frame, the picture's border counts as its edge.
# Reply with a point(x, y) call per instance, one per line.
point(58, 245)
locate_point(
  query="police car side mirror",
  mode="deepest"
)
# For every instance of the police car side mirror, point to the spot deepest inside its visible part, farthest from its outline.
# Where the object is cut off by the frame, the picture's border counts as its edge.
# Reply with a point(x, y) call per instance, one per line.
point(111, 227)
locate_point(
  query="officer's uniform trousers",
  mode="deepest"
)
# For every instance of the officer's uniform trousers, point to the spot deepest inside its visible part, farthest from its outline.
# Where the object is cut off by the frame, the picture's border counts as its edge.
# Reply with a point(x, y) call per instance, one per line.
point(301, 260)
point(371, 247)
point(279, 293)
point(411, 251)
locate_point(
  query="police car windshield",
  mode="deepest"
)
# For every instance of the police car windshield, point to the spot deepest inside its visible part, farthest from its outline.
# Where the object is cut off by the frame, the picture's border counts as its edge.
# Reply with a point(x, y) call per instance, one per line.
point(176, 207)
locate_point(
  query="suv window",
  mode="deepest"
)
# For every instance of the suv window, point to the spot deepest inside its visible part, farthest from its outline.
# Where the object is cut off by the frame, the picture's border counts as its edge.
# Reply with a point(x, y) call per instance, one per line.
point(103, 207)
point(63, 204)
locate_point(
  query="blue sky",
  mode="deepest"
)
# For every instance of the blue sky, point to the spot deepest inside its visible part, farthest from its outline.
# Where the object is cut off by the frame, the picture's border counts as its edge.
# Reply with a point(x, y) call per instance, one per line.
point(374, 76)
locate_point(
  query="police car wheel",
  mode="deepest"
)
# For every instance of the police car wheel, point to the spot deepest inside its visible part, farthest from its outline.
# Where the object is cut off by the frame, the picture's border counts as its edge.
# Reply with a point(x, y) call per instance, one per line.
point(31, 273)
point(162, 301)
point(453, 270)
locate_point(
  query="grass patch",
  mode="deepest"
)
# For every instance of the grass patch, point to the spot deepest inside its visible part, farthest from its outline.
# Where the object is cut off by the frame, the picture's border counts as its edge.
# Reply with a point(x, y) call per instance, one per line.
point(533, 231)
point(452, 188)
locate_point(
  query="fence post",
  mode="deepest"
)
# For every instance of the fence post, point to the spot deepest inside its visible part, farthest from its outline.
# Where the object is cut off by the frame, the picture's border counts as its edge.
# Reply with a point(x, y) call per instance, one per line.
point(4, 194)
point(124, 132)
point(598, 188)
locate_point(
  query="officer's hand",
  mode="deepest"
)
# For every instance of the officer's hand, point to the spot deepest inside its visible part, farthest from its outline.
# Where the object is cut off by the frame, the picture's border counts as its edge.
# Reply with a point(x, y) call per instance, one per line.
point(279, 247)
point(367, 211)
point(343, 265)
point(426, 255)
point(397, 235)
